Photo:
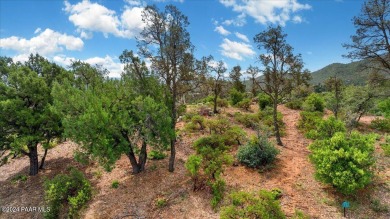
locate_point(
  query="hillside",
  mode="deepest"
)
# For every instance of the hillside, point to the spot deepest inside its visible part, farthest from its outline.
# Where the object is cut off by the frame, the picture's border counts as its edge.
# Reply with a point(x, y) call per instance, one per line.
point(351, 73)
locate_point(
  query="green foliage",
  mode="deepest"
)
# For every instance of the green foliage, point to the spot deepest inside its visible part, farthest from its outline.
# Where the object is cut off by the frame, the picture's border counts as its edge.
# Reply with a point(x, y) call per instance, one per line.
point(245, 104)
point(115, 184)
point(181, 110)
point(384, 107)
point(222, 102)
point(236, 96)
point(234, 136)
point(248, 205)
point(264, 101)
point(314, 102)
point(257, 153)
point(161, 202)
point(219, 125)
point(156, 155)
point(27, 117)
point(386, 146)
point(377, 206)
point(266, 117)
point(19, 178)
point(248, 120)
point(198, 120)
point(327, 128)
point(217, 190)
point(73, 191)
point(193, 165)
point(300, 215)
point(309, 120)
point(344, 161)
point(381, 124)
point(294, 104)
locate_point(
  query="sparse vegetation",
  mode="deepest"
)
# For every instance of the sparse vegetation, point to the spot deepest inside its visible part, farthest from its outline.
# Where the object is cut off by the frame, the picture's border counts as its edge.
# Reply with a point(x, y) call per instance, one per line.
point(115, 184)
point(66, 194)
point(257, 153)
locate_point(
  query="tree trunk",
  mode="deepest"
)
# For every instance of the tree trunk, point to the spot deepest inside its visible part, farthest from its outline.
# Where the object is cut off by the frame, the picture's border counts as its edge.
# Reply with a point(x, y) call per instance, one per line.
point(171, 165)
point(215, 103)
point(43, 160)
point(142, 157)
point(133, 161)
point(33, 155)
point(276, 125)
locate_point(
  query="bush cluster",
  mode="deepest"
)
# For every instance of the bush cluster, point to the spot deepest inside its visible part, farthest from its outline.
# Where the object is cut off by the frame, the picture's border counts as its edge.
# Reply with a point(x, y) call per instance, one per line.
point(326, 129)
point(156, 155)
point(248, 120)
point(236, 96)
point(70, 191)
point(264, 101)
point(344, 161)
point(381, 124)
point(309, 120)
point(262, 204)
point(258, 152)
point(314, 102)
point(294, 104)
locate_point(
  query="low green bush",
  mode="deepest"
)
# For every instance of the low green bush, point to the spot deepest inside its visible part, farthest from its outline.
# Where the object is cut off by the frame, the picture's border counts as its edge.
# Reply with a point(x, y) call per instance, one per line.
point(326, 129)
point(71, 190)
point(181, 109)
point(249, 120)
point(217, 190)
point(384, 107)
point(314, 102)
point(344, 161)
point(309, 120)
point(266, 117)
point(262, 204)
point(236, 96)
point(381, 124)
point(234, 136)
point(156, 155)
point(218, 125)
point(115, 184)
point(257, 153)
point(222, 102)
point(264, 101)
point(386, 145)
point(295, 104)
point(245, 104)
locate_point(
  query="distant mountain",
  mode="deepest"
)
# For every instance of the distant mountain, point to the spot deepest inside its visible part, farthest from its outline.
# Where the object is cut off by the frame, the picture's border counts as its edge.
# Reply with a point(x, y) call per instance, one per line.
point(351, 73)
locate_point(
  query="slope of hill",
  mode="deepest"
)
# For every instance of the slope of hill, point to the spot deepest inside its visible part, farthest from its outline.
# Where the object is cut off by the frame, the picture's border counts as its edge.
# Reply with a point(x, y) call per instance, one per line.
point(351, 73)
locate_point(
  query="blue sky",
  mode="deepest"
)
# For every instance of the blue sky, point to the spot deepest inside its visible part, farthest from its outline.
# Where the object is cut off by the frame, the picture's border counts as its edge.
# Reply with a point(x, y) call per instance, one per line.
point(97, 31)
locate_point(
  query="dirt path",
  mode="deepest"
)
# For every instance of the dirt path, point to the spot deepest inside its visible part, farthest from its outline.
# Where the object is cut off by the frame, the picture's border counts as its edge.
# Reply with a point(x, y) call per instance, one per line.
point(293, 174)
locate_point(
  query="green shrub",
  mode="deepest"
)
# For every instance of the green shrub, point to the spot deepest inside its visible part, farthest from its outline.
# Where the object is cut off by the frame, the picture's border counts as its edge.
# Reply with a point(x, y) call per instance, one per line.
point(236, 96)
point(181, 109)
point(248, 120)
point(73, 190)
point(377, 206)
point(245, 104)
point(294, 104)
point(115, 184)
point(386, 146)
point(326, 129)
point(234, 136)
point(198, 120)
point(344, 161)
point(258, 152)
point(384, 107)
point(266, 117)
point(19, 178)
point(217, 190)
point(188, 116)
point(161, 202)
point(248, 205)
point(309, 120)
point(218, 125)
point(381, 124)
point(264, 101)
point(222, 102)
point(314, 102)
point(193, 166)
point(300, 215)
point(156, 155)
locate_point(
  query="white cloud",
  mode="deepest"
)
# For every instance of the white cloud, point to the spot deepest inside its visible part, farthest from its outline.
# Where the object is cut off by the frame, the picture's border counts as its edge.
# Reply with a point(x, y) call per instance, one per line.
point(93, 17)
point(222, 30)
point(47, 42)
point(236, 50)
point(267, 11)
point(239, 21)
point(297, 19)
point(214, 64)
point(86, 35)
point(114, 67)
point(242, 37)
point(21, 58)
point(37, 30)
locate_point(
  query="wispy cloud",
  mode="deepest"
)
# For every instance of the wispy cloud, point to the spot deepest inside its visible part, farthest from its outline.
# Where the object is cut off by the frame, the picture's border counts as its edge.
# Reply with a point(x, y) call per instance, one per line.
point(222, 30)
point(236, 50)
